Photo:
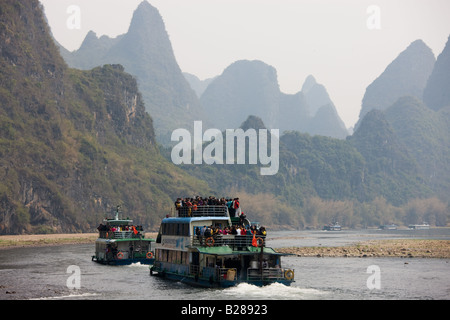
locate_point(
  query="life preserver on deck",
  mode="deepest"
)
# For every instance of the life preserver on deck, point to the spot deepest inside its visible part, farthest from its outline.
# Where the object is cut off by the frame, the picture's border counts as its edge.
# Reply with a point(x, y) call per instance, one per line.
point(260, 242)
point(119, 255)
point(210, 241)
point(289, 274)
point(149, 255)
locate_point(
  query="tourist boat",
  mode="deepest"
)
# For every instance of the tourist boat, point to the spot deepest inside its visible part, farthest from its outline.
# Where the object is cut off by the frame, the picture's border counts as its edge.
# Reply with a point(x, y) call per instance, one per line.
point(121, 243)
point(388, 227)
point(186, 253)
point(333, 227)
point(423, 226)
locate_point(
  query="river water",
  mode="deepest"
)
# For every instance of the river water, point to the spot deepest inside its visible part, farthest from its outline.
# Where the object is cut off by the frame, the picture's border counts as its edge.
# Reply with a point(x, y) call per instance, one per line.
point(48, 273)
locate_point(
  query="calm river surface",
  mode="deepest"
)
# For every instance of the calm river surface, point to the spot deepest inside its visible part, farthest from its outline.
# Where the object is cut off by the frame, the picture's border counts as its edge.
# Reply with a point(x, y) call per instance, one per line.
point(43, 272)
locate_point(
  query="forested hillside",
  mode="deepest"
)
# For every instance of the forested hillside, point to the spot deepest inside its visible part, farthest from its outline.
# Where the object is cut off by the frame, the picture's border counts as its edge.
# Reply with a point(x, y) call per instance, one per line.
point(366, 180)
point(76, 143)
point(73, 144)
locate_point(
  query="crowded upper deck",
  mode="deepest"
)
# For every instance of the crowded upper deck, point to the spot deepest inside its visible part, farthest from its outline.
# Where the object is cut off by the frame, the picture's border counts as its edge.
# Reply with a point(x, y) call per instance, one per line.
point(211, 206)
point(240, 231)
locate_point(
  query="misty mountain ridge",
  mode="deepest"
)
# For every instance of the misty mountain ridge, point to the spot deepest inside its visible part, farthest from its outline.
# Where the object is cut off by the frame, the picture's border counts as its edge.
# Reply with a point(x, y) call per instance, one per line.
point(416, 104)
point(251, 88)
point(400, 151)
point(437, 92)
point(146, 52)
point(199, 86)
point(406, 75)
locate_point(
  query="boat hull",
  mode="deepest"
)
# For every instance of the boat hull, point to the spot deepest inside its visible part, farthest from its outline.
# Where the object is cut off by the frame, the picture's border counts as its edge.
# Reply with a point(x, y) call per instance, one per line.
point(209, 283)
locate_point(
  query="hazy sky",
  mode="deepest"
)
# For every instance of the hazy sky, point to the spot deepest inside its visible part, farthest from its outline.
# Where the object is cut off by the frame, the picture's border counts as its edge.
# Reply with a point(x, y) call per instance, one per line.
point(344, 44)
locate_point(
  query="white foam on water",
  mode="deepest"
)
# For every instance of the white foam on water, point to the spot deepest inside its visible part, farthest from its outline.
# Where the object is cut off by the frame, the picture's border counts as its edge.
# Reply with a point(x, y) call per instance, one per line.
point(276, 291)
point(137, 264)
point(69, 296)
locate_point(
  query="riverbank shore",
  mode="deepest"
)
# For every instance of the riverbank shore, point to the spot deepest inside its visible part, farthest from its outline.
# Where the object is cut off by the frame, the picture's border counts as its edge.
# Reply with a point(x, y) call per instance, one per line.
point(36, 240)
point(402, 248)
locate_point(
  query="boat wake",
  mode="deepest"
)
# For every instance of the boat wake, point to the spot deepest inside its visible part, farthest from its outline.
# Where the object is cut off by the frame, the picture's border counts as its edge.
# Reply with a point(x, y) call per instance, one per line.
point(70, 296)
point(274, 291)
point(137, 265)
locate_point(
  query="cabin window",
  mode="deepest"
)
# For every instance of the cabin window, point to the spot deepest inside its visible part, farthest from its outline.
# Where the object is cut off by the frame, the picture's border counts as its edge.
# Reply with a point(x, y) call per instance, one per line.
point(172, 256)
point(175, 229)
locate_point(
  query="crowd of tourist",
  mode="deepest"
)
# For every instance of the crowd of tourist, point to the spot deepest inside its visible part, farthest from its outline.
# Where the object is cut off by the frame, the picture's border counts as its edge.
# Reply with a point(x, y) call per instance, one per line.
point(193, 203)
point(119, 228)
point(239, 230)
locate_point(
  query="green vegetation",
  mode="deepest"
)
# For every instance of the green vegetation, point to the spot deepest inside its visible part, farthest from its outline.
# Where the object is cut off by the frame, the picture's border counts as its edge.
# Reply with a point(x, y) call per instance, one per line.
point(74, 144)
point(368, 180)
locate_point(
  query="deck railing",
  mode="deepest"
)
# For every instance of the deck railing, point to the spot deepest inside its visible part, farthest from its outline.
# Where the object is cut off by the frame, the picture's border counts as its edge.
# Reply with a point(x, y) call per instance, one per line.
point(119, 235)
point(265, 273)
point(233, 241)
point(203, 211)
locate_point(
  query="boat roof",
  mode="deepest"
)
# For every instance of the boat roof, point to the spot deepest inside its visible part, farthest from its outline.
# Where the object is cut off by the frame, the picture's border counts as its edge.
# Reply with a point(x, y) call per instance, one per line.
point(193, 219)
point(123, 240)
point(118, 221)
point(226, 250)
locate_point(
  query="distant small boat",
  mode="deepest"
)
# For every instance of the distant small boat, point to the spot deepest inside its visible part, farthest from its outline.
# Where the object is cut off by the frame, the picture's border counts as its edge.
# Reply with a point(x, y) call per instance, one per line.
point(423, 226)
point(333, 227)
point(389, 227)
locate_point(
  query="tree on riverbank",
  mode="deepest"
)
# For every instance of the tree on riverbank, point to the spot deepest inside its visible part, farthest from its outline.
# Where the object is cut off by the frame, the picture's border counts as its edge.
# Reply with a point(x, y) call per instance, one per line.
point(316, 212)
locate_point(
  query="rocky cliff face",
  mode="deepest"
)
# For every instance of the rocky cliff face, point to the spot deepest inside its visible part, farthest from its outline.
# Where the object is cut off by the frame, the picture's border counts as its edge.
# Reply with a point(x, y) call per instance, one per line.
point(73, 144)
point(146, 52)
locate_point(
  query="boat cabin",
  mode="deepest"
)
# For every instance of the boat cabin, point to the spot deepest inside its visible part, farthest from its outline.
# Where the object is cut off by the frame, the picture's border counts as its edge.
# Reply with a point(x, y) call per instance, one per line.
point(121, 242)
